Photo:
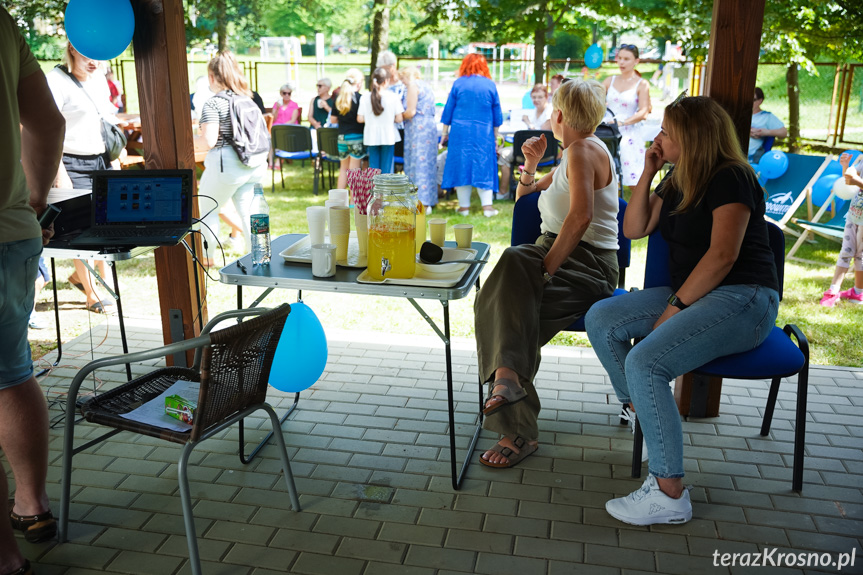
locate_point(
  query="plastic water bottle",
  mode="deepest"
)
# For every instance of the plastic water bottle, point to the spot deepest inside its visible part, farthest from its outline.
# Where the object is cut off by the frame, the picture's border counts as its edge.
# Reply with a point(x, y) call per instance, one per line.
point(260, 228)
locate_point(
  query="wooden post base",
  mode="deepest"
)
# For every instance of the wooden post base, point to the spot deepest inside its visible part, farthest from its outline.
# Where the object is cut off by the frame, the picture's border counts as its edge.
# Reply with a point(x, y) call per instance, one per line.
point(698, 395)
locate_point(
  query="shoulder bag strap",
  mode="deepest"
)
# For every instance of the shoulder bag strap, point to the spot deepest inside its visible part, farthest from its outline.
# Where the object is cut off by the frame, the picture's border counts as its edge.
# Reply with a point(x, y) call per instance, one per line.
point(78, 83)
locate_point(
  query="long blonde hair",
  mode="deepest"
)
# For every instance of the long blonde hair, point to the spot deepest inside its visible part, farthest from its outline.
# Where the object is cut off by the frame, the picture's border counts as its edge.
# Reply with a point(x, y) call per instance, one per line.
point(708, 143)
point(352, 83)
point(226, 71)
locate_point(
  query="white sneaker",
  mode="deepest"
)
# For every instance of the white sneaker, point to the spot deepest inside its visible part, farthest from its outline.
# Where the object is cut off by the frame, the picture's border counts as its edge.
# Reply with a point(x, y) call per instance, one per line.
point(629, 415)
point(501, 196)
point(649, 505)
point(490, 213)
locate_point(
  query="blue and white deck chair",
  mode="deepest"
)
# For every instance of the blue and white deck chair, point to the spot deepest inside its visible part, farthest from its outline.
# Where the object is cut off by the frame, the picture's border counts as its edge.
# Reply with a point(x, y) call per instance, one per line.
point(831, 229)
point(787, 192)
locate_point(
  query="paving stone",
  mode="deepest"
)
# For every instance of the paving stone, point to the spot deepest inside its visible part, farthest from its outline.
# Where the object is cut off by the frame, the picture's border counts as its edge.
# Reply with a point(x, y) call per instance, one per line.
point(433, 557)
point(415, 534)
point(455, 519)
point(617, 557)
point(209, 549)
point(129, 539)
point(312, 564)
point(144, 563)
point(258, 556)
point(495, 564)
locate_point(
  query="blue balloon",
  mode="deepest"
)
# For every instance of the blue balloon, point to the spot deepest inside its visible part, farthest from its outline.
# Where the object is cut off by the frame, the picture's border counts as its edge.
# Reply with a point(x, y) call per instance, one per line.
point(100, 29)
point(301, 355)
point(593, 57)
point(821, 189)
point(773, 164)
point(833, 168)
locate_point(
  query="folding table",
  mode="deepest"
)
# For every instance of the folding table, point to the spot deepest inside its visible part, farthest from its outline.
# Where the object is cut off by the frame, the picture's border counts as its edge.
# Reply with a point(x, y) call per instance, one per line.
point(291, 275)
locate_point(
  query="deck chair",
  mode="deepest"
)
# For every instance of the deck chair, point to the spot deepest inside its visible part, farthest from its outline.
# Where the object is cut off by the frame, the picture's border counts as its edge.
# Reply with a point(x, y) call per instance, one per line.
point(290, 142)
point(786, 193)
point(233, 368)
point(777, 358)
point(832, 229)
point(328, 155)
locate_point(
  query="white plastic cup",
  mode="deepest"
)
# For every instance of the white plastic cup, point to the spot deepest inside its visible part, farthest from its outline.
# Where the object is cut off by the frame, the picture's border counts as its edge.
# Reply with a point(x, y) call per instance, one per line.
point(463, 235)
point(323, 260)
point(341, 195)
point(317, 217)
point(437, 231)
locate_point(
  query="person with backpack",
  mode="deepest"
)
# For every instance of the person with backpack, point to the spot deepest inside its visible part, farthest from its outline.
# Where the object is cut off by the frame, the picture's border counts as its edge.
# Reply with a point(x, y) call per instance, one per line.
point(236, 133)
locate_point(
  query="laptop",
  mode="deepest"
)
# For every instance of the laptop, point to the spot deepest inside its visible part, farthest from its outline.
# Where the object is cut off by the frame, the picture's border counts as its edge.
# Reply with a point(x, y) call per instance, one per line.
point(139, 208)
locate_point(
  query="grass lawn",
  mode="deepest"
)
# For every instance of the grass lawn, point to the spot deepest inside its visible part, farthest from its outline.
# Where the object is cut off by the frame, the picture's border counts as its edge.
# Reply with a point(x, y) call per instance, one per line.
point(834, 334)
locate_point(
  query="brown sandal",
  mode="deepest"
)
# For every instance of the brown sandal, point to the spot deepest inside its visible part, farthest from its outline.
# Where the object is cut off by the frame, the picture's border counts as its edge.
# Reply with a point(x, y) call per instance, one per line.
point(513, 458)
point(25, 570)
point(36, 528)
point(511, 393)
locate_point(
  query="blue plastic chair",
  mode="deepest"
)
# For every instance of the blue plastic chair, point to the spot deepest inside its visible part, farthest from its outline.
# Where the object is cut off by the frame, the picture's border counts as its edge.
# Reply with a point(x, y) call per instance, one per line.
point(776, 358)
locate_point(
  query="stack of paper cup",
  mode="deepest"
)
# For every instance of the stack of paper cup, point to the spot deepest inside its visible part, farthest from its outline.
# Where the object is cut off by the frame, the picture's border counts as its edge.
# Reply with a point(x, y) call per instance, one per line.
point(340, 230)
point(317, 218)
point(341, 195)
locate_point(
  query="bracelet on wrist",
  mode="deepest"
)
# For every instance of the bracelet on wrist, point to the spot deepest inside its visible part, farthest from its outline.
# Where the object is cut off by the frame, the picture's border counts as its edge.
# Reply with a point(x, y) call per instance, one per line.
point(531, 174)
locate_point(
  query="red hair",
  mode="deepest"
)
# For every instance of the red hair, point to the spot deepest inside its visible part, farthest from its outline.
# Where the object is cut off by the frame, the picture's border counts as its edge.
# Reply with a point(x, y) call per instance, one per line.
point(474, 65)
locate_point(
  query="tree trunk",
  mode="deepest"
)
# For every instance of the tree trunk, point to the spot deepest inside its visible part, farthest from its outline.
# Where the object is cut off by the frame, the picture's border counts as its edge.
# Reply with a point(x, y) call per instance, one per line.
point(792, 80)
point(380, 33)
point(222, 24)
point(539, 56)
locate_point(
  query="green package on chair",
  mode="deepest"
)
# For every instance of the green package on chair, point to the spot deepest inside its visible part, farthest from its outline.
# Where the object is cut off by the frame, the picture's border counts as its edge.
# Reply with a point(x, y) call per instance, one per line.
point(180, 408)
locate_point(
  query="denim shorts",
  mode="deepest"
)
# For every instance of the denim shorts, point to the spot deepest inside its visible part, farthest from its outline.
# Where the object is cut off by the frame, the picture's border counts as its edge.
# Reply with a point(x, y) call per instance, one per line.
point(19, 266)
point(351, 145)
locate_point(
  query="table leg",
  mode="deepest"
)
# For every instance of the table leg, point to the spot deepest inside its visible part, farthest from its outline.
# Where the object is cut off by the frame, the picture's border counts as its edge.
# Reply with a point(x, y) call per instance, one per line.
point(120, 317)
point(457, 475)
point(56, 321)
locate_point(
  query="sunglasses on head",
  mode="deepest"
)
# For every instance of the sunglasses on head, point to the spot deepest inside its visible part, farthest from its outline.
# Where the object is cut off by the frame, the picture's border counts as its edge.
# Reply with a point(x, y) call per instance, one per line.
point(628, 47)
point(677, 100)
point(320, 85)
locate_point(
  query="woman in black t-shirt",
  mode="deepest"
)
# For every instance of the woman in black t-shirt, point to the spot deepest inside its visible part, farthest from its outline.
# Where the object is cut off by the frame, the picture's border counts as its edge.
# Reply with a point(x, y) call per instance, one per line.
point(351, 148)
point(723, 297)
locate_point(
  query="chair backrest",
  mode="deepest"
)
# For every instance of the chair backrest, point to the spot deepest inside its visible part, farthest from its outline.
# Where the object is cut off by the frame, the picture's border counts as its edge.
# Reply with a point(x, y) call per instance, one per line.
point(656, 270)
point(291, 138)
point(521, 136)
point(767, 143)
point(328, 141)
point(235, 368)
point(526, 226)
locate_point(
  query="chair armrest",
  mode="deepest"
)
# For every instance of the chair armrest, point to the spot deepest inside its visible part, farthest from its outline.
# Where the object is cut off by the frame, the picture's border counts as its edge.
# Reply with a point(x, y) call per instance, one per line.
point(803, 343)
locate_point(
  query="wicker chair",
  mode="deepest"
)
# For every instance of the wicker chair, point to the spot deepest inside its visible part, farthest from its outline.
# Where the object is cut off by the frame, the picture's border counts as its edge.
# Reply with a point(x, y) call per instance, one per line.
point(232, 366)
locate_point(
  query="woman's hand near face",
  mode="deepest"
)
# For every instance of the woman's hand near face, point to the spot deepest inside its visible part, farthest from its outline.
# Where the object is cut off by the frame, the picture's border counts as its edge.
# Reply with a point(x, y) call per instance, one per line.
point(653, 157)
point(533, 151)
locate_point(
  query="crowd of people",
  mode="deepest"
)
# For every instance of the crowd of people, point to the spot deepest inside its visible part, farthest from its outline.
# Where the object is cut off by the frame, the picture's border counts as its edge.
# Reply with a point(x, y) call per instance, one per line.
point(709, 208)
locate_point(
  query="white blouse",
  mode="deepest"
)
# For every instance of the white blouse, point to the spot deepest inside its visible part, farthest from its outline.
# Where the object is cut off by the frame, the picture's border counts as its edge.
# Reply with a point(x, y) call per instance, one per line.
point(380, 130)
point(83, 125)
point(554, 205)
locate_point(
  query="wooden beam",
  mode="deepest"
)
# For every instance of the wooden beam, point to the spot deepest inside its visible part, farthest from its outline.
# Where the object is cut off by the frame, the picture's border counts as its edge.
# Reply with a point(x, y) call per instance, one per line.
point(163, 93)
point(732, 62)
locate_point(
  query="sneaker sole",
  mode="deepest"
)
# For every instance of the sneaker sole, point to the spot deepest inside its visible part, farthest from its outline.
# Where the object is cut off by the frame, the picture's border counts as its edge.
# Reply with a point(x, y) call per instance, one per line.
point(674, 520)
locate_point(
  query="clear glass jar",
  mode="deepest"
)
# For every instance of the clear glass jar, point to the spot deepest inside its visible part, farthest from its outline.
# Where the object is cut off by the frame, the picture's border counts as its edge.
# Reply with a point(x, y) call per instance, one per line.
point(392, 227)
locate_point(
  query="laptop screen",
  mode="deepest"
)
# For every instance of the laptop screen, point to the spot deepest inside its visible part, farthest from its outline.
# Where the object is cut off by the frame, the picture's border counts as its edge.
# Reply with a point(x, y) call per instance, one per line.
point(159, 198)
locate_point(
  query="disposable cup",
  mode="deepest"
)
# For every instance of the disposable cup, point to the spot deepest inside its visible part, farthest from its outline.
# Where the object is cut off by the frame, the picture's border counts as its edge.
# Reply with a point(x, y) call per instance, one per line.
point(317, 218)
point(341, 195)
point(437, 231)
point(340, 220)
point(330, 203)
point(463, 234)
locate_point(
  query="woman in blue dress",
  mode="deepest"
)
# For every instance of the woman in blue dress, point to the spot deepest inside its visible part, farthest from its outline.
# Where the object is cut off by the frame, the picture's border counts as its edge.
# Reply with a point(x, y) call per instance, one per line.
point(471, 119)
point(421, 138)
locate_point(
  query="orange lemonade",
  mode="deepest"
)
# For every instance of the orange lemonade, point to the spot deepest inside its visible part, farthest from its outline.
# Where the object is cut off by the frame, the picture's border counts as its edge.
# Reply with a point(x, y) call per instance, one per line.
point(397, 244)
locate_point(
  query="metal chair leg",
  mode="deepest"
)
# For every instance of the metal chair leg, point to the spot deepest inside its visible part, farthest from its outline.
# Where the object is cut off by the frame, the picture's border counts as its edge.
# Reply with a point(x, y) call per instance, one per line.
point(186, 501)
point(283, 453)
point(638, 442)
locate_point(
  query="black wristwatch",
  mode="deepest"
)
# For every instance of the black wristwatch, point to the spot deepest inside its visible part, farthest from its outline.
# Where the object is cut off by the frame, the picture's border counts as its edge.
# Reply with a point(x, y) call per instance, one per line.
point(546, 277)
point(675, 301)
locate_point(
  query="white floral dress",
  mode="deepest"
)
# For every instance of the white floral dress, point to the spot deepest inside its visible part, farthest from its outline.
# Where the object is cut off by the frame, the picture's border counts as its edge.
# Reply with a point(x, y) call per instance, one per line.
point(624, 105)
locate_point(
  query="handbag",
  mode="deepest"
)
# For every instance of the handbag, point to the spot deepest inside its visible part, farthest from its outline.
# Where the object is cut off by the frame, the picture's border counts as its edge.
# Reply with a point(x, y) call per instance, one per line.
point(112, 135)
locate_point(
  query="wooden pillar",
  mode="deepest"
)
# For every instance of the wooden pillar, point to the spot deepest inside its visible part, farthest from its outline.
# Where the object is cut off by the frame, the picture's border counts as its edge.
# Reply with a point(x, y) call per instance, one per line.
point(732, 62)
point(163, 93)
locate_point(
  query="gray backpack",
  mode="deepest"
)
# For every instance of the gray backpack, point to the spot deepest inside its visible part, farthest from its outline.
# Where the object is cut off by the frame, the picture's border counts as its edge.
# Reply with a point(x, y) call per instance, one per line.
point(250, 134)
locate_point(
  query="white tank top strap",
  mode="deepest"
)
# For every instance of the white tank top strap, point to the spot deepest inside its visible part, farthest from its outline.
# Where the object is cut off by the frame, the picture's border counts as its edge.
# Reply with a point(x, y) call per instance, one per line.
point(602, 145)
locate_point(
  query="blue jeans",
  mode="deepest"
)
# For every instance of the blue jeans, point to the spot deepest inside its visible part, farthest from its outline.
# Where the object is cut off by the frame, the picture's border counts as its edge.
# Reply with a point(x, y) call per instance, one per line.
point(19, 266)
point(381, 157)
point(729, 319)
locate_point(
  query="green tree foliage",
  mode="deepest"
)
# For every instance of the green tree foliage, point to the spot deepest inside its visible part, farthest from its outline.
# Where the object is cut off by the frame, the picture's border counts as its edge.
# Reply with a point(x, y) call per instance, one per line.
point(39, 22)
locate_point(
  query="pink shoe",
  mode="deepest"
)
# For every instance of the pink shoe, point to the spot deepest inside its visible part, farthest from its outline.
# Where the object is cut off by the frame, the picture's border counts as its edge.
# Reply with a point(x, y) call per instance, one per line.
point(851, 295)
point(829, 299)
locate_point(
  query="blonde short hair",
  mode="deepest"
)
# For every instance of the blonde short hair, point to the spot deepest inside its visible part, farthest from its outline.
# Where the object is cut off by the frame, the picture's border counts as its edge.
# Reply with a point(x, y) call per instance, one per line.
point(409, 74)
point(582, 103)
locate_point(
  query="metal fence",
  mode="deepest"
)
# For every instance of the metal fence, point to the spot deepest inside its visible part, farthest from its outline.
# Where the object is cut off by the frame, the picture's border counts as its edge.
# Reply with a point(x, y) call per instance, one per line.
point(831, 99)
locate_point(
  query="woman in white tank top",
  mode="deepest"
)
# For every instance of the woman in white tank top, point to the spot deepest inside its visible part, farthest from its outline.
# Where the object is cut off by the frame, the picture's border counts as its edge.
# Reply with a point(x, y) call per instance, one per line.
point(536, 290)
